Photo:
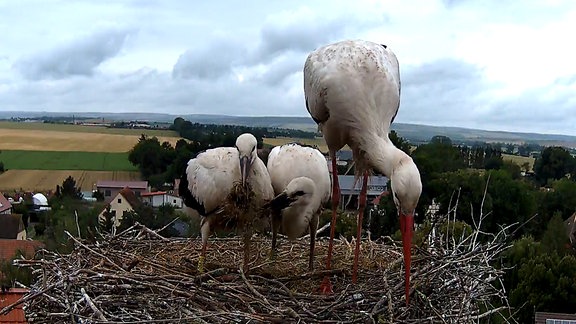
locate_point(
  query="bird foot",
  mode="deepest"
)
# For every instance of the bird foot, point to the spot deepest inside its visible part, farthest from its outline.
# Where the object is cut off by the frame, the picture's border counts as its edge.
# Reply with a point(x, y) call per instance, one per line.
point(201, 264)
point(326, 286)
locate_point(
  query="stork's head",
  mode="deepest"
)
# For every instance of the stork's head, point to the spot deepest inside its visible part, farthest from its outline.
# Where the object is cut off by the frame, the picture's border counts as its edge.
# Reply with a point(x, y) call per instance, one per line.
point(406, 189)
point(298, 192)
point(246, 146)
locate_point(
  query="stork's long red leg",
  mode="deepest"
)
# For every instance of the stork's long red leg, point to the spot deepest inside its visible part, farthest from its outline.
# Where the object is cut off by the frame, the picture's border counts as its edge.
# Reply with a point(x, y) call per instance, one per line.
point(361, 207)
point(326, 286)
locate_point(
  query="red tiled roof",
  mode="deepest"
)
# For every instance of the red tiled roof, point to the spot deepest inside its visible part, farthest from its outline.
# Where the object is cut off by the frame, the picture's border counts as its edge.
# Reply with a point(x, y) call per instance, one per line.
point(9, 297)
point(123, 184)
point(156, 193)
point(8, 248)
point(4, 203)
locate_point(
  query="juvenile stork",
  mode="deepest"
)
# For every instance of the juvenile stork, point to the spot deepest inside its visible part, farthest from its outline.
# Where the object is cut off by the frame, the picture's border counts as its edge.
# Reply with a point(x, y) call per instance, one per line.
point(301, 182)
point(352, 91)
point(211, 176)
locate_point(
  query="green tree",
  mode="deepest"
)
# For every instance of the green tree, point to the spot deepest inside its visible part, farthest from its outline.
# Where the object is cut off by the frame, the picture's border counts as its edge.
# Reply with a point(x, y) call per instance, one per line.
point(69, 189)
point(554, 163)
point(441, 139)
point(555, 239)
point(400, 142)
point(11, 273)
point(546, 284)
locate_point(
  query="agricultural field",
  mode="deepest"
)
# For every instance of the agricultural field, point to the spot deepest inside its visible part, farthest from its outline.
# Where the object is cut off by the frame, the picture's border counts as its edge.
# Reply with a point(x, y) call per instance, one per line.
point(66, 160)
point(318, 141)
point(85, 129)
point(520, 160)
point(39, 156)
point(41, 180)
point(52, 140)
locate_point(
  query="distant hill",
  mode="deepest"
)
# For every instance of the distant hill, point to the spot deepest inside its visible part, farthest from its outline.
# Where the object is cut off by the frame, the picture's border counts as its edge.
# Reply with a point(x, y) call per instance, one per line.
point(414, 133)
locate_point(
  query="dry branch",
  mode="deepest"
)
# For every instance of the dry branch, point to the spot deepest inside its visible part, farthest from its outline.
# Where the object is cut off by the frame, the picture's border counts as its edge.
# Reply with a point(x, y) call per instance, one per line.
point(138, 276)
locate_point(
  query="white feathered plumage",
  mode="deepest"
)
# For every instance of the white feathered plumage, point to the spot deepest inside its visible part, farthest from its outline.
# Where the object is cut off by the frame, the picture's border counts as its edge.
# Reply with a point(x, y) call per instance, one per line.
point(211, 176)
point(301, 182)
point(352, 91)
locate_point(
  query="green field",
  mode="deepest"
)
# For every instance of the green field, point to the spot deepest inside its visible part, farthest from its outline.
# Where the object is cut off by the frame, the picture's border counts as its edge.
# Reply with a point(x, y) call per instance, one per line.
point(86, 129)
point(66, 160)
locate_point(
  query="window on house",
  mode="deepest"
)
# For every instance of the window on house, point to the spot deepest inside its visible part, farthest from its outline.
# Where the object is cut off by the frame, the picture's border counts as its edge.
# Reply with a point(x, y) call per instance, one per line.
point(174, 201)
point(119, 200)
point(107, 193)
point(557, 321)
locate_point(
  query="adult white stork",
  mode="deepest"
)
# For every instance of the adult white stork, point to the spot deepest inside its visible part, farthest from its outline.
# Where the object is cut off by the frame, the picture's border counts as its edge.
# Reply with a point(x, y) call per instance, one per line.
point(352, 91)
point(211, 176)
point(301, 182)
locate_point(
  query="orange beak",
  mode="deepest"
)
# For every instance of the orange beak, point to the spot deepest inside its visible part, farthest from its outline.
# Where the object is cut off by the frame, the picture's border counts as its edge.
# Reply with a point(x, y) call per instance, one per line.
point(407, 228)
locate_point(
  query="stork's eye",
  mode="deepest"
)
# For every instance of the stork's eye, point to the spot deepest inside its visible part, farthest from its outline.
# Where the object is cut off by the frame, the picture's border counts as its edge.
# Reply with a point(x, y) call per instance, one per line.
point(298, 193)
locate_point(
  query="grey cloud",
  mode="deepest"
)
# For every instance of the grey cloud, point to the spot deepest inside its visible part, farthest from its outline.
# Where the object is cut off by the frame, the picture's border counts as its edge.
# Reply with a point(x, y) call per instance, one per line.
point(79, 57)
point(282, 67)
point(452, 92)
point(438, 92)
point(210, 61)
point(299, 36)
point(150, 90)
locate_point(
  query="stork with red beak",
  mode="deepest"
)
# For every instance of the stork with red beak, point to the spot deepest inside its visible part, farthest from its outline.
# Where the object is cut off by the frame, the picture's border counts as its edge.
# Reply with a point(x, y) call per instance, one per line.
point(352, 91)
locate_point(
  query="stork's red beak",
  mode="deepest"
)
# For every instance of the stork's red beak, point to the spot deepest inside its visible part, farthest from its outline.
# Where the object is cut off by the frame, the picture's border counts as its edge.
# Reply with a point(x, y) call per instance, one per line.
point(407, 228)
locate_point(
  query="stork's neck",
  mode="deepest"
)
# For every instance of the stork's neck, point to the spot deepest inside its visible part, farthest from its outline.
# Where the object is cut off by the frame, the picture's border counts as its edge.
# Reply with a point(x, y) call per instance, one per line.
point(383, 155)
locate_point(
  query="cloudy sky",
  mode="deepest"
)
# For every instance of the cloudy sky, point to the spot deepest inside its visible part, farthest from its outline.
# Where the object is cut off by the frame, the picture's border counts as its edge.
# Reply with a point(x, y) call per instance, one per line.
point(489, 64)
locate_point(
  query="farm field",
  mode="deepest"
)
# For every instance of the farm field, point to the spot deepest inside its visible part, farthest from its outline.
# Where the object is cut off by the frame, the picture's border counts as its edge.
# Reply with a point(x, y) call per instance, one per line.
point(52, 140)
point(318, 141)
point(66, 160)
point(41, 180)
point(86, 129)
point(520, 160)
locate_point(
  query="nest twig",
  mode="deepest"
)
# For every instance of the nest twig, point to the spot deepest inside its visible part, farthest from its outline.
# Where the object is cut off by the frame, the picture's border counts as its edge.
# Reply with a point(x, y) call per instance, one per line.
point(139, 277)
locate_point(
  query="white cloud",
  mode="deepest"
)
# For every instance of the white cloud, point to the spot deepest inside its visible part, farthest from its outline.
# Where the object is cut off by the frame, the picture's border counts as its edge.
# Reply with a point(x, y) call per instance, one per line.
point(471, 63)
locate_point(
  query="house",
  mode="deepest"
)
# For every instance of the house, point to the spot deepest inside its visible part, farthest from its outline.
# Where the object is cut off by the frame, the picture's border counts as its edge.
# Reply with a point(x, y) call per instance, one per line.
point(124, 201)
point(159, 198)
point(112, 188)
point(377, 184)
point(9, 248)
point(12, 227)
point(5, 205)
point(9, 297)
point(554, 318)
point(344, 155)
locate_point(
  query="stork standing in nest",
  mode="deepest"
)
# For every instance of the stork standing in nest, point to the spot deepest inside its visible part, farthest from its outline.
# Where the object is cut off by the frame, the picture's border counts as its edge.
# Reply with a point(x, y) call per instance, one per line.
point(352, 91)
point(301, 182)
point(221, 179)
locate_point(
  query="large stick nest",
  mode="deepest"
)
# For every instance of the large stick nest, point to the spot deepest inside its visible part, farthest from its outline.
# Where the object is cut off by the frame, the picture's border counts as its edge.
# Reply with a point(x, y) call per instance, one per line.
point(138, 276)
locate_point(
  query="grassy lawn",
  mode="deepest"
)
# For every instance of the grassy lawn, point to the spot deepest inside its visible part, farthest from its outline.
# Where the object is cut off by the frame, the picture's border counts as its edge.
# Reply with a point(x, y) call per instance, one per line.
point(65, 160)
